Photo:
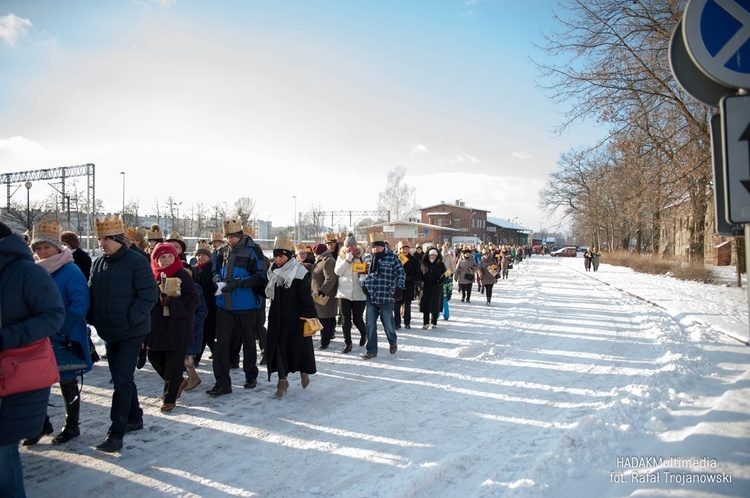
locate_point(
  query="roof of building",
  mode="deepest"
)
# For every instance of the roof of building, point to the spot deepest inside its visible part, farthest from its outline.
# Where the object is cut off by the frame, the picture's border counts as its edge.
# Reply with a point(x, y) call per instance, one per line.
point(501, 223)
point(414, 223)
point(455, 205)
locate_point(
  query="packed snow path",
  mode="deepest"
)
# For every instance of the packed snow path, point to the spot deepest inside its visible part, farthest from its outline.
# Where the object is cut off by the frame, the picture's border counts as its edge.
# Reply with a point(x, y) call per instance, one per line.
point(569, 384)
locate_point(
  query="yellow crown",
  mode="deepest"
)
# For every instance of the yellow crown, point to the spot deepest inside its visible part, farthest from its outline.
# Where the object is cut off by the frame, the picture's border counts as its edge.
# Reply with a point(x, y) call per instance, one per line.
point(109, 226)
point(330, 237)
point(300, 247)
point(130, 232)
point(154, 233)
point(217, 237)
point(46, 230)
point(283, 243)
point(375, 236)
point(232, 226)
point(203, 247)
point(174, 236)
point(248, 231)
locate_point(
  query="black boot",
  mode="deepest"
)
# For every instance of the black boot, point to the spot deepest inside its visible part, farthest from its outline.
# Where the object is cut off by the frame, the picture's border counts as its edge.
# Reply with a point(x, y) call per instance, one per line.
point(46, 430)
point(72, 398)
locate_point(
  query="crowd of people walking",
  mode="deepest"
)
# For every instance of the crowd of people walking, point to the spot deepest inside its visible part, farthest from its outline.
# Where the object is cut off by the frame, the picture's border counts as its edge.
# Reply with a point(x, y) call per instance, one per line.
point(231, 302)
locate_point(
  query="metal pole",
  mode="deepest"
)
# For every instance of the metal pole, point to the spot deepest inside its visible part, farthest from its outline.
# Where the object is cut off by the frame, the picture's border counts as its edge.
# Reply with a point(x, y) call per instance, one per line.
point(295, 220)
point(123, 195)
point(28, 205)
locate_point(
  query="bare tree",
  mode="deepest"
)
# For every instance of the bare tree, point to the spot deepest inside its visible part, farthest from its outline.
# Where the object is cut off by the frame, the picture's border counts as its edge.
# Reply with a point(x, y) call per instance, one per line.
point(398, 197)
point(617, 72)
point(243, 208)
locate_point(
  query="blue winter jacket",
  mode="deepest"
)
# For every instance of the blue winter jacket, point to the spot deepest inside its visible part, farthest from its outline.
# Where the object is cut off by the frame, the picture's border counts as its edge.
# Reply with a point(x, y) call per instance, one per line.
point(74, 291)
point(30, 309)
point(242, 261)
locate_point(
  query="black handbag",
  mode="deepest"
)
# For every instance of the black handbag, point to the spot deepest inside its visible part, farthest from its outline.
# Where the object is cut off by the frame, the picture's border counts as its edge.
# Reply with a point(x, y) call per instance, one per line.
point(469, 277)
point(70, 357)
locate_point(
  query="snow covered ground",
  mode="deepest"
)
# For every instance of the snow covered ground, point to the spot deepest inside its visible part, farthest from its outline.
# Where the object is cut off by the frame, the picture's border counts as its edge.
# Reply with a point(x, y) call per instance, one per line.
point(571, 384)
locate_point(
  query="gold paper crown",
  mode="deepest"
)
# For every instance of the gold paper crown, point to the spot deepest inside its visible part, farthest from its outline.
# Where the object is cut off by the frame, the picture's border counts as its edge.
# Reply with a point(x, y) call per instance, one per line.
point(403, 243)
point(232, 226)
point(202, 246)
point(154, 233)
point(300, 247)
point(283, 243)
point(109, 226)
point(174, 236)
point(46, 230)
point(375, 236)
point(217, 237)
point(330, 237)
point(248, 231)
point(130, 232)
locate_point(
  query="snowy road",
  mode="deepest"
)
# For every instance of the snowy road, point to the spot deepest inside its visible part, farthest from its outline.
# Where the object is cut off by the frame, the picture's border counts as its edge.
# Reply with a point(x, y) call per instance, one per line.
point(557, 389)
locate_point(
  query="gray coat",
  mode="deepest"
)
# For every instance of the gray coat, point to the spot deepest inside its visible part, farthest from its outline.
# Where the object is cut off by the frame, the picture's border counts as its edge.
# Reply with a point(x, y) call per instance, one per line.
point(324, 279)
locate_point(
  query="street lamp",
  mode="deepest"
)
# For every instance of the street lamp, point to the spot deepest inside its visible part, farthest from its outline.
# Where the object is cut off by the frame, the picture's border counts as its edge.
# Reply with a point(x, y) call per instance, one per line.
point(295, 219)
point(122, 215)
point(28, 204)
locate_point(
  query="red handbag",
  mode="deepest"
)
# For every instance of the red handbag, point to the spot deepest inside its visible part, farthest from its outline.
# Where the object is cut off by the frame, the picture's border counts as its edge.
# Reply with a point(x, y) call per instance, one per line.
point(27, 368)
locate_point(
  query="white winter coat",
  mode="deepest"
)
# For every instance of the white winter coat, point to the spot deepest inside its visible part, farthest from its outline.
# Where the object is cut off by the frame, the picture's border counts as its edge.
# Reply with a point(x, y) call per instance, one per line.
point(349, 286)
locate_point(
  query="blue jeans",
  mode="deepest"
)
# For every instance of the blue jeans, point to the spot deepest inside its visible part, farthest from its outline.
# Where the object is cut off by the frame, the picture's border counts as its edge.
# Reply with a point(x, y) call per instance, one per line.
point(385, 312)
point(122, 357)
point(11, 472)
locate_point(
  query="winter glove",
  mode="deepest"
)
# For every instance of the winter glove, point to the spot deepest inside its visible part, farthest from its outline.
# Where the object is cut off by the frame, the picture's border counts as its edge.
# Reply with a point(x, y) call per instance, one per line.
point(233, 284)
point(398, 294)
point(321, 293)
point(216, 279)
point(349, 257)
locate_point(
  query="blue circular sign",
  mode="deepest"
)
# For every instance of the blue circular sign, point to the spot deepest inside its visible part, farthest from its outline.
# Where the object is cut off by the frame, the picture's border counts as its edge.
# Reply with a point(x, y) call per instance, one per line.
point(717, 37)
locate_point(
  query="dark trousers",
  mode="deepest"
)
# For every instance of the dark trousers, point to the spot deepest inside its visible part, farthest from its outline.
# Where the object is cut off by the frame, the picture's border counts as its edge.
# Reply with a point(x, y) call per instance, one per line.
point(397, 312)
point(352, 312)
point(430, 318)
point(169, 365)
point(488, 290)
point(122, 357)
point(329, 328)
point(228, 326)
point(465, 291)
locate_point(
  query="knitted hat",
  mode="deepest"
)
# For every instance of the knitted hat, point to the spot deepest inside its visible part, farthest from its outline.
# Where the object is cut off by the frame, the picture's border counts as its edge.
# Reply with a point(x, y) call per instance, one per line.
point(350, 241)
point(432, 251)
point(109, 227)
point(163, 248)
point(232, 227)
point(46, 231)
point(201, 247)
point(319, 249)
point(71, 239)
point(4, 230)
point(155, 233)
point(378, 243)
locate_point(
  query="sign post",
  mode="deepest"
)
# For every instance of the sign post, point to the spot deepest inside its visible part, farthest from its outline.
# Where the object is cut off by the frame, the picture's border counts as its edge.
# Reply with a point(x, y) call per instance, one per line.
point(710, 58)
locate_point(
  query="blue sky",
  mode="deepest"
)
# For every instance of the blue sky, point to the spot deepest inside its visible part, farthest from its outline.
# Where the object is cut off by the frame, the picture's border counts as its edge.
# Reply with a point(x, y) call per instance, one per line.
point(314, 99)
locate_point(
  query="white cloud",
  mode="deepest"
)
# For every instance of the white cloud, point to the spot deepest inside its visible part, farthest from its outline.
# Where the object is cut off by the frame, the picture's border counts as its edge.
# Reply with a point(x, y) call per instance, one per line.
point(20, 150)
point(418, 148)
point(12, 26)
point(519, 154)
point(166, 3)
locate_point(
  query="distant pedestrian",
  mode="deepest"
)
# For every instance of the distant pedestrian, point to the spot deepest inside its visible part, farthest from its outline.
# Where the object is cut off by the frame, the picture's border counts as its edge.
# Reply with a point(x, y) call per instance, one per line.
point(325, 284)
point(350, 295)
point(434, 274)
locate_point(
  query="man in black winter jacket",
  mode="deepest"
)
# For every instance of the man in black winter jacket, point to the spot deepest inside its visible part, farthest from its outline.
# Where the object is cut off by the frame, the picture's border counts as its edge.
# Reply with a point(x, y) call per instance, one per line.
point(123, 293)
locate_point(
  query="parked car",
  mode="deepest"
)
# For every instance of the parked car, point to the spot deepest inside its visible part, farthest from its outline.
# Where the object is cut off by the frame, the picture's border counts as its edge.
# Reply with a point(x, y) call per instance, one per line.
point(565, 252)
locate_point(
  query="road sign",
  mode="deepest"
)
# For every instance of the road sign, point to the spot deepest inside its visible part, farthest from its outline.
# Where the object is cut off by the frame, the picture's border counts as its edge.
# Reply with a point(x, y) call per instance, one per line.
point(723, 227)
point(690, 77)
point(735, 129)
point(717, 37)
